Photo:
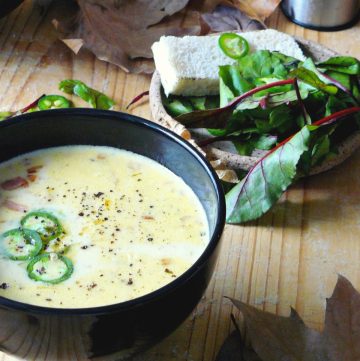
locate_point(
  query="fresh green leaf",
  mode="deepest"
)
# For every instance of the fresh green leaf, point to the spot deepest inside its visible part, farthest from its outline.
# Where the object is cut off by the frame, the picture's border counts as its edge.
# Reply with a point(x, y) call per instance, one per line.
point(309, 77)
point(344, 79)
point(218, 117)
point(320, 150)
point(177, 107)
point(264, 63)
point(342, 64)
point(265, 142)
point(333, 105)
point(281, 118)
point(262, 142)
point(267, 180)
point(199, 103)
point(93, 97)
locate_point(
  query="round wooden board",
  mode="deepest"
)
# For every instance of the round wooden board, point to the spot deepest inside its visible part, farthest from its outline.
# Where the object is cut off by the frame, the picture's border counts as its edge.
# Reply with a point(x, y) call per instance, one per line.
point(239, 162)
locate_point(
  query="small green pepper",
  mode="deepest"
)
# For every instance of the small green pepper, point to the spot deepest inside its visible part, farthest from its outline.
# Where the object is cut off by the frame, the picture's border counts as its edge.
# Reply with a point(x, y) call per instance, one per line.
point(53, 102)
point(233, 45)
point(44, 223)
point(20, 244)
point(50, 268)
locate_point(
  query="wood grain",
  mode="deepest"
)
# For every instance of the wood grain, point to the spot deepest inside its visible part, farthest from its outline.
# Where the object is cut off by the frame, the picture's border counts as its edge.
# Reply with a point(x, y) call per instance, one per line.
point(290, 257)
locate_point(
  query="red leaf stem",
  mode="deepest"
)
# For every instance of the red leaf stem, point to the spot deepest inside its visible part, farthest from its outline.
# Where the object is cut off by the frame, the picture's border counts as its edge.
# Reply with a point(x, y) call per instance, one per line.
point(137, 98)
point(326, 120)
point(31, 105)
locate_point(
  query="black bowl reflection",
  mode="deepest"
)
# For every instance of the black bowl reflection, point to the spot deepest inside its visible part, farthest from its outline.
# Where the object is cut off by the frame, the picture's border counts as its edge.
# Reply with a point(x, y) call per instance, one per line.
point(114, 331)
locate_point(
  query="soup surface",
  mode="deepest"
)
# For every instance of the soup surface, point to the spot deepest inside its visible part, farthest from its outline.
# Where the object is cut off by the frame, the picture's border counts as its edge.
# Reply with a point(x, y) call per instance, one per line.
point(128, 226)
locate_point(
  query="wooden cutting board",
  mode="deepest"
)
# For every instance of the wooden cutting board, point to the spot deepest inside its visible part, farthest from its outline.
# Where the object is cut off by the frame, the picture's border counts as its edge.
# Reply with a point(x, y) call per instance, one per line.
point(290, 257)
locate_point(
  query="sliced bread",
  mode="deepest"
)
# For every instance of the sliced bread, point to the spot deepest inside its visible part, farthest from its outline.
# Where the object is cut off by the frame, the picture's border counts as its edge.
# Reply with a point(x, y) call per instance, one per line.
point(189, 65)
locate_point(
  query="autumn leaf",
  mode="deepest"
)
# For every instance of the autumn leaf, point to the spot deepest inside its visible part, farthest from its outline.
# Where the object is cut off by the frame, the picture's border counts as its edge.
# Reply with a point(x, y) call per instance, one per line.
point(275, 337)
point(235, 347)
point(229, 18)
point(119, 31)
point(122, 32)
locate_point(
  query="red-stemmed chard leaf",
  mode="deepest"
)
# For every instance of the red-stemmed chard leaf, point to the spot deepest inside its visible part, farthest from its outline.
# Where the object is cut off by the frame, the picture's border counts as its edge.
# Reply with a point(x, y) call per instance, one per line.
point(218, 117)
point(264, 184)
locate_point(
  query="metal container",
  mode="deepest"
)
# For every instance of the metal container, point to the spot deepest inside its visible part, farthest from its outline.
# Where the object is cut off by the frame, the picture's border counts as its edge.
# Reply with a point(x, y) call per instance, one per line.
point(326, 15)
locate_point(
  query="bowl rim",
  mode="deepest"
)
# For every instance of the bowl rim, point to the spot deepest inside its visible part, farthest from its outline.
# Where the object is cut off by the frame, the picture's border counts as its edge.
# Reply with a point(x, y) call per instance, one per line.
point(94, 115)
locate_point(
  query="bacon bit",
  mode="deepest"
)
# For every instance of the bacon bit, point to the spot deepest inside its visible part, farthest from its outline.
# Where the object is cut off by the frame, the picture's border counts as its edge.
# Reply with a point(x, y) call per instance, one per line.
point(9, 204)
point(32, 177)
point(101, 156)
point(165, 261)
point(14, 183)
point(148, 218)
point(34, 169)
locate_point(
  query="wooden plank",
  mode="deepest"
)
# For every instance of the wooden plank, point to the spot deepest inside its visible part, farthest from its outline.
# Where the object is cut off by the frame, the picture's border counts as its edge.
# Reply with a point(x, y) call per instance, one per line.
point(291, 257)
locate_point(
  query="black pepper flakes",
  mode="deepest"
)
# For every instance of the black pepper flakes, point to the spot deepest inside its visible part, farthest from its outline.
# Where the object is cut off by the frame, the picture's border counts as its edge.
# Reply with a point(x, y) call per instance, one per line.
point(130, 281)
point(4, 286)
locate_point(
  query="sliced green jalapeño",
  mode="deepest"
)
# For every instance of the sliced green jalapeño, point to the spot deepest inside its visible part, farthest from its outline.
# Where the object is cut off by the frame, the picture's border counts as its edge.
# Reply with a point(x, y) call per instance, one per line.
point(233, 45)
point(50, 268)
point(20, 244)
point(53, 102)
point(44, 223)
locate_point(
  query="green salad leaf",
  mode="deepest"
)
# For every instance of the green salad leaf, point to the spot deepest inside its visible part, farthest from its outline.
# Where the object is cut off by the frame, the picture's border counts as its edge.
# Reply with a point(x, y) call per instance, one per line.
point(342, 64)
point(267, 181)
point(264, 184)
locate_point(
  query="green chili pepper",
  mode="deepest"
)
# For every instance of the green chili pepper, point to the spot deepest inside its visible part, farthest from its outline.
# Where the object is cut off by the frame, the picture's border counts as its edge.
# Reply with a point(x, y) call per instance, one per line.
point(50, 268)
point(53, 102)
point(20, 244)
point(233, 45)
point(44, 223)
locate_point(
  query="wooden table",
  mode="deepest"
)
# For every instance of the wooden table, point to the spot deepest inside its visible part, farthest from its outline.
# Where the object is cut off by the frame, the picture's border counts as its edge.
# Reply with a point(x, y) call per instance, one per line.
point(290, 257)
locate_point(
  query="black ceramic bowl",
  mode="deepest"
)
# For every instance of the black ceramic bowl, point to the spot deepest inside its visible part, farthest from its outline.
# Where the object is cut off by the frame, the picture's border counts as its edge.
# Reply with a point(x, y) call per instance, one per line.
point(6, 6)
point(118, 330)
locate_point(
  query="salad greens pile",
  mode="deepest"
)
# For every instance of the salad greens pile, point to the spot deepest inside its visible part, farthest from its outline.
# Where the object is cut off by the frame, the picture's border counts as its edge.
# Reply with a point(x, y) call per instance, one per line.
point(272, 102)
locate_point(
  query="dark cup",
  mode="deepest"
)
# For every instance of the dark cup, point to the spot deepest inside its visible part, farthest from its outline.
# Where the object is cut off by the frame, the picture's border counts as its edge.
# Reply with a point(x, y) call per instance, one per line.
point(119, 330)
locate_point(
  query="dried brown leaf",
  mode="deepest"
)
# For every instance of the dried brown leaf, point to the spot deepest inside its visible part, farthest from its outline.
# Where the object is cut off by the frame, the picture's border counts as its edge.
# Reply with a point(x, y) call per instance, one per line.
point(278, 338)
point(234, 349)
point(119, 31)
point(342, 322)
point(289, 339)
point(264, 8)
point(226, 18)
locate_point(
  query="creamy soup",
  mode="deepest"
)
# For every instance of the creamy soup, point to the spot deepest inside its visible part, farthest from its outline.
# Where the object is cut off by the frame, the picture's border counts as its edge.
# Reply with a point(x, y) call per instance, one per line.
point(86, 226)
